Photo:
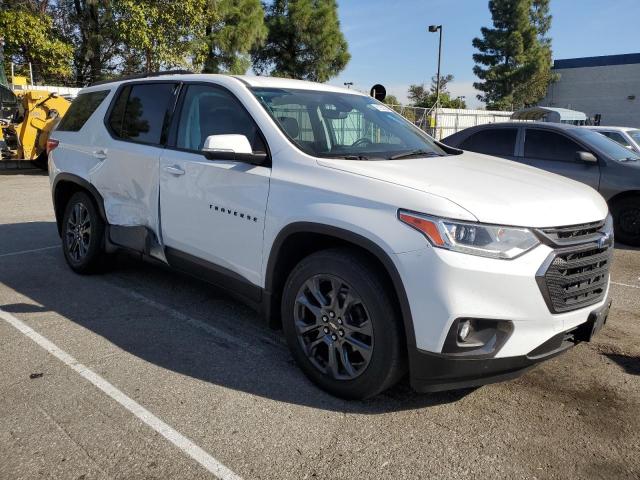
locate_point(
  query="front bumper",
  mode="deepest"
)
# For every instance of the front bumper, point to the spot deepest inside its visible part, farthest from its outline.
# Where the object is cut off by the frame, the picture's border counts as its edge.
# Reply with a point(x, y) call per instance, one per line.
point(432, 372)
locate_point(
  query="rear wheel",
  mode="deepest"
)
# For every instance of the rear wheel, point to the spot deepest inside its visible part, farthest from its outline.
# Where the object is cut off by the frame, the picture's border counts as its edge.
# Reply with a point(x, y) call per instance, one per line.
point(82, 234)
point(626, 220)
point(341, 324)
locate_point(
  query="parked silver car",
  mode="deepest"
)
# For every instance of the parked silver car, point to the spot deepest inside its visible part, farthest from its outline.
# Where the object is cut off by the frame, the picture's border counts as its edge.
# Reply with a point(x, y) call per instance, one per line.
point(626, 136)
point(572, 151)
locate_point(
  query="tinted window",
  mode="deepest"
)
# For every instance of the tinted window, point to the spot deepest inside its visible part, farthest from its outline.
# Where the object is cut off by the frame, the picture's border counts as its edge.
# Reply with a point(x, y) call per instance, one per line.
point(140, 111)
point(547, 145)
point(495, 141)
point(208, 111)
point(81, 109)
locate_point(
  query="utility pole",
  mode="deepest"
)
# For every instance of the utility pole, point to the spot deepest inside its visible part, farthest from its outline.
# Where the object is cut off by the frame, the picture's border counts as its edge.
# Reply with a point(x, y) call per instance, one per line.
point(433, 29)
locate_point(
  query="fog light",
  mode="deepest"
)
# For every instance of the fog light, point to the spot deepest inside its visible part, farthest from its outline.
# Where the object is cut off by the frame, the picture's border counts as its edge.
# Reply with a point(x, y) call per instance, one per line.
point(463, 331)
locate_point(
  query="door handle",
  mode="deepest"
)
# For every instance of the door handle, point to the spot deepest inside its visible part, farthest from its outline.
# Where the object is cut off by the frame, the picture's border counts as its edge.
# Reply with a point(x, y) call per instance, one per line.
point(174, 170)
point(100, 154)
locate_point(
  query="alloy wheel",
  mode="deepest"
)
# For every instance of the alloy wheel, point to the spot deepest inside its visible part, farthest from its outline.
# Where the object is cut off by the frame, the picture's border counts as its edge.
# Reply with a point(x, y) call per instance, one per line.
point(334, 327)
point(78, 232)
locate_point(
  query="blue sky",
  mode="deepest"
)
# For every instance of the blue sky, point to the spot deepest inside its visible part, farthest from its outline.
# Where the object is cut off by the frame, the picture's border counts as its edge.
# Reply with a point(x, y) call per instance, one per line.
point(389, 43)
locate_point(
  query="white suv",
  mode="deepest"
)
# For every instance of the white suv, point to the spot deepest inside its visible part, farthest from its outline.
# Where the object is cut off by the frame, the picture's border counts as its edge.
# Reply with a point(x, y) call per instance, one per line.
point(378, 250)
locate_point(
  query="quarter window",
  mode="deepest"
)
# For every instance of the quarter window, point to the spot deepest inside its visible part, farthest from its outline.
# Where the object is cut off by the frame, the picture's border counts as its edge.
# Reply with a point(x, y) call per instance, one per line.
point(494, 141)
point(546, 145)
point(80, 110)
point(140, 112)
point(209, 111)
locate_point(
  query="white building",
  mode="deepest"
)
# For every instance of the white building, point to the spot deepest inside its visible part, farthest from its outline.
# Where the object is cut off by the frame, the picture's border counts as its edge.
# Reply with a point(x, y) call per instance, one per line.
point(608, 86)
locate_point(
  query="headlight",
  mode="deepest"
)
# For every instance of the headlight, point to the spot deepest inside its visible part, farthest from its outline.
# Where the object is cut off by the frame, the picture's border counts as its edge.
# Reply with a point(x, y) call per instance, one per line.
point(493, 241)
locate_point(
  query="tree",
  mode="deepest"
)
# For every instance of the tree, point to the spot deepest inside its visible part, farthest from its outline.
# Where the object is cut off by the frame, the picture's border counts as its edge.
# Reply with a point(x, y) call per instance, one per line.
point(233, 28)
point(391, 100)
point(514, 59)
point(426, 98)
point(304, 41)
point(30, 38)
point(91, 27)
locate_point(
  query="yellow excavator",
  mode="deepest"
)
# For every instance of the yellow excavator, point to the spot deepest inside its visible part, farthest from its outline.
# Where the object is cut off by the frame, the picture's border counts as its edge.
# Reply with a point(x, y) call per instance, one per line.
point(25, 132)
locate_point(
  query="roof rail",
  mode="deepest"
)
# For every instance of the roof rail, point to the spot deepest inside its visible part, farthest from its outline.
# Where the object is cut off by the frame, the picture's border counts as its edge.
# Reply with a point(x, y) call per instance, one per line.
point(142, 75)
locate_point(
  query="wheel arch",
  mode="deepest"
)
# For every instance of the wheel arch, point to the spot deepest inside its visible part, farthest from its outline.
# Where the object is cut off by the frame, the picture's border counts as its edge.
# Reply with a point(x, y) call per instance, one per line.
point(623, 195)
point(64, 186)
point(298, 240)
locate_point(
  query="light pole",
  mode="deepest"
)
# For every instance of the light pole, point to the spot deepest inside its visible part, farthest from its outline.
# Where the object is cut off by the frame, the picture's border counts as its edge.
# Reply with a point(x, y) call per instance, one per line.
point(434, 29)
point(348, 84)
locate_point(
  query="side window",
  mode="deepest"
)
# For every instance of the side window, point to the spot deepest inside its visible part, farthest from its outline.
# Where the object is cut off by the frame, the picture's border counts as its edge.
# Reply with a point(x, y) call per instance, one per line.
point(140, 111)
point(80, 110)
point(494, 141)
point(208, 110)
point(617, 137)
point(546, 145)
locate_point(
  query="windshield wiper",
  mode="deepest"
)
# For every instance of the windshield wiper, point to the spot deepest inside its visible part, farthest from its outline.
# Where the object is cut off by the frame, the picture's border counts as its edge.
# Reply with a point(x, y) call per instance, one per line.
point(348, 157)
point(411, 153)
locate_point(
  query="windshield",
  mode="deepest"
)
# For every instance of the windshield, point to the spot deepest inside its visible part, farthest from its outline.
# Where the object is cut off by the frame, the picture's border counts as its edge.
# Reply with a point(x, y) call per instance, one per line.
point(342, 125)
point(611, 148)
point(635, 135)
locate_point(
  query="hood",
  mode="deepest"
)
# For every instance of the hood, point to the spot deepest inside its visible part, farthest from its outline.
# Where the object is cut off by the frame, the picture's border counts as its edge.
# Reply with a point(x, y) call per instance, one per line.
point(494, 190)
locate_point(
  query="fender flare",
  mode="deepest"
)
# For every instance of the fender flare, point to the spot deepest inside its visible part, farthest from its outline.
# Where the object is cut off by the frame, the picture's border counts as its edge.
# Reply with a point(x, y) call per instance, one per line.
point(346, 235)
point(85, 185)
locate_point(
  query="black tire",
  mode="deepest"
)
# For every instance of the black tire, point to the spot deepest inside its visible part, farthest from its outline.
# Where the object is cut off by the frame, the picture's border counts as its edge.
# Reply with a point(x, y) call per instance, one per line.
point(83, 246)
point(626, 220)
point(371, 306)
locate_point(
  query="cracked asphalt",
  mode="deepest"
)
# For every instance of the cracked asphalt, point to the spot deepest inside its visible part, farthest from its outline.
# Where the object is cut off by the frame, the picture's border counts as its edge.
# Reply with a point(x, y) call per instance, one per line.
point(206, 366)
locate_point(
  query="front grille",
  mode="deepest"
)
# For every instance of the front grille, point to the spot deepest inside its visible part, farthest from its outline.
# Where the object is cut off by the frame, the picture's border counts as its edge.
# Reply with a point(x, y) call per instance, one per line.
point(575, 277)
point(573, 234)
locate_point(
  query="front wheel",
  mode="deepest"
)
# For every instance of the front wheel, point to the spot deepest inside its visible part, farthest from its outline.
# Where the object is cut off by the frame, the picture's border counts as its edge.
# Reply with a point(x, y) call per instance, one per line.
point(82, 234)
point(626, 220)
point(342, 325)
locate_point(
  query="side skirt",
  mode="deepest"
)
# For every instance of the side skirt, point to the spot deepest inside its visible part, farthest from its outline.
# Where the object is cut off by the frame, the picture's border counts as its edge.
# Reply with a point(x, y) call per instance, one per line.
point(216, 275)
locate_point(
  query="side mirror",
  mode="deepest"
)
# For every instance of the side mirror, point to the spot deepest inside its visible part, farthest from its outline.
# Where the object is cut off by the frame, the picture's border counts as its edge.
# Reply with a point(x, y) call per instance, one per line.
point(231, 147)
point(586, 157)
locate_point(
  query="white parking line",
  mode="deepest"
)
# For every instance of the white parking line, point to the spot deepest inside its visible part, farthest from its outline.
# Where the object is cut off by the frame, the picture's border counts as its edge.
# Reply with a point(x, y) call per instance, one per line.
point(175, 437)
point(34, 250)
point(625, 285)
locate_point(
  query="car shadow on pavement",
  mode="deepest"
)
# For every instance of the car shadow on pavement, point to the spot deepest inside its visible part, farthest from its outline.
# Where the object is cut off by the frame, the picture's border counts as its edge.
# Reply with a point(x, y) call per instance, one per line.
point(158, 315)
point(624, 246)
point(630, 364)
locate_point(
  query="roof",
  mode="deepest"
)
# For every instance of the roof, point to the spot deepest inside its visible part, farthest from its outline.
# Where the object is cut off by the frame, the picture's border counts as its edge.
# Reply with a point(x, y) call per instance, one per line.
point(603, 61)
point(516, 124)
point(619, 129)
point(536, 113)
point(249, 80)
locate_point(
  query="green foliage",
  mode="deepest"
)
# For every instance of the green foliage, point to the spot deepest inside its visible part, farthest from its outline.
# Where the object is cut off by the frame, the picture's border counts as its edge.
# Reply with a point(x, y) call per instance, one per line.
point(514, 59)
point(391, 100)
point(426, 98)
point(232, 29)
point(156, 33)
point(29, 37)
point(304, 41)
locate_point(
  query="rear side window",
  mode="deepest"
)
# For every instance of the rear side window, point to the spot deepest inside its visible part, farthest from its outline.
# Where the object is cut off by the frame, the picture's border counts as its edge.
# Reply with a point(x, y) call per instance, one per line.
point(546, 145)
point(494, 141)
point(140, 111)
point(80, 110)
